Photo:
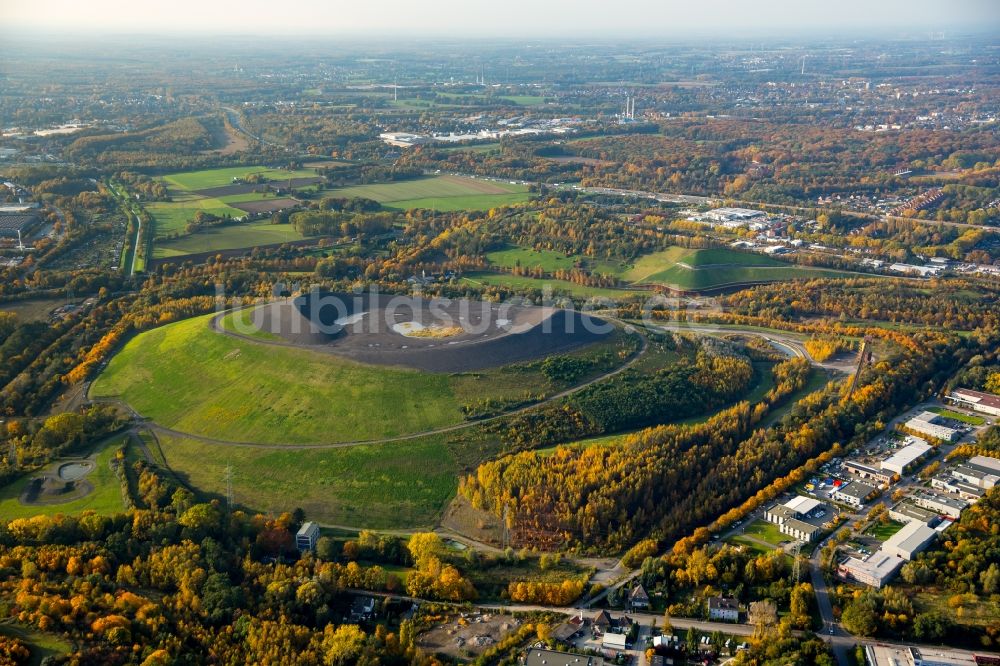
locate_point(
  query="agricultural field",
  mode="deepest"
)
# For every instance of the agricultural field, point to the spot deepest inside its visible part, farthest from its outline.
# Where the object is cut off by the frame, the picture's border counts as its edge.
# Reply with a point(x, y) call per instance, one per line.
point(106, 497)
point(228, 237)
point(170, 217)
point(212, 191)
point(201, 180)
point(193, 379)
point(379, 486)
point(439, 193)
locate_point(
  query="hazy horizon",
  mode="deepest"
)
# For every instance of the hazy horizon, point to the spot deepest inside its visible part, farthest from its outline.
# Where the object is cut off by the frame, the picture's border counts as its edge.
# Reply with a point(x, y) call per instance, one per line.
point(513, 19)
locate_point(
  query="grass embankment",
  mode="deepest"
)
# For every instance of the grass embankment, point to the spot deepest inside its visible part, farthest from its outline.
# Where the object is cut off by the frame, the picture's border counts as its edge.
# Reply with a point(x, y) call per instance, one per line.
point(380, 486)
point(190, 378)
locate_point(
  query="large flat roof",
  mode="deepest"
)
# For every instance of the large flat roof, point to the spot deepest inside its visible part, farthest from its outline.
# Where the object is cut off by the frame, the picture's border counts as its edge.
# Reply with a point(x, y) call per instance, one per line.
point(879, 565)
point(16, 221)
point(537, 657)
point(802, 504)
point(907, 455)
point(985, 463)
point(856, 489)
point(978, 397)
point(911, 538)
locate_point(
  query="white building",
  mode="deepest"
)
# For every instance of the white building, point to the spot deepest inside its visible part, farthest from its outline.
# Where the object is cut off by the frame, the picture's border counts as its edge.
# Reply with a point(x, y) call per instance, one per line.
point(909, 541)
point(789, 517)
point(987, 403)
point(732, 217)
point(799, 530)
point(945, 505)
point(723, 608)
point(540, 657)
point(924, 424)
point(875, 571)
point(305, 538)
point(880, 654)
point(613, 641)
point(403, 139)
point(912, 269)
point(797, 507)
point(854, 494)
point(900, 461)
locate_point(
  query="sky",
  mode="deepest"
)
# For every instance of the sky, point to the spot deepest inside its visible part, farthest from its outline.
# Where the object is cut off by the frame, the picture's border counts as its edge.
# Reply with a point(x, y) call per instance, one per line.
point(495, 18)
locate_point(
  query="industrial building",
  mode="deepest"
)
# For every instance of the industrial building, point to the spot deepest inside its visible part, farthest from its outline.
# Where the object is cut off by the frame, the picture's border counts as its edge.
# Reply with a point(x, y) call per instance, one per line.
point(945, 505)
point(902, 460)
point(952, 483)
point(538, 657)
point(880, 654)
point(403, 139)
point(17, 226)
point(983, 470)
point(882, 477)
point(906, 511)
point(925, 424)
point(854, 494)
point(789, 517)
point(799, 530)
point(797, 507)
point(987, 403)
point(875, 571)
point(732, 218)
point(305, 538)
point(910, 540)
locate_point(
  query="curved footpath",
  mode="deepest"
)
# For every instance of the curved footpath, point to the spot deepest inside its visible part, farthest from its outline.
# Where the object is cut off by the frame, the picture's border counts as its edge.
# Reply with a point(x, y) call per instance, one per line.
point(362, 442)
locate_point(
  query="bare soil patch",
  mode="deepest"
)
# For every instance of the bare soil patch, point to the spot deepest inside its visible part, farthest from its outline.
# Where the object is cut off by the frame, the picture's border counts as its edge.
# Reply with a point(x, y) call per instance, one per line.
point(229, 140)
point(265, 205)
point(229, 190)
point(324, 164)
point(61, 482)
point(476, 185)
point(467, 634)
point(491, 334)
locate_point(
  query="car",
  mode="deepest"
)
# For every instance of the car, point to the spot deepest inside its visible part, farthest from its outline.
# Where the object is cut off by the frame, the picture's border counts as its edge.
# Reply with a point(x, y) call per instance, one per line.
point(831, 631)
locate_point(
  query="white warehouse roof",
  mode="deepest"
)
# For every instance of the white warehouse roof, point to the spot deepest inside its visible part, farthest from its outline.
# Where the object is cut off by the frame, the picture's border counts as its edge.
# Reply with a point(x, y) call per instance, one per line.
point(910, 540)
point(803, 505)
point(906, 456)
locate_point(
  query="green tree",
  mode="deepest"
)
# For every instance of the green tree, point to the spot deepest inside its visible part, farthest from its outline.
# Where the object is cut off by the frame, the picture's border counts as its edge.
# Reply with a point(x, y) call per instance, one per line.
point(931, 626)
point(861, 615)
point(326, 549)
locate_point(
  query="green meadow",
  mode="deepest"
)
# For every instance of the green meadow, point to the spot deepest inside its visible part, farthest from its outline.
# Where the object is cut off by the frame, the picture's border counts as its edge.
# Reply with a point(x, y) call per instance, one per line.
point(392, 485)
point(438, 192)
point(229, 237)
point(191, 378)
point(206, 178)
